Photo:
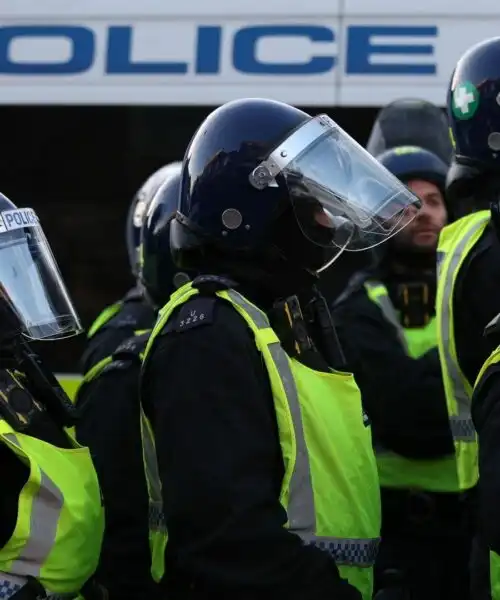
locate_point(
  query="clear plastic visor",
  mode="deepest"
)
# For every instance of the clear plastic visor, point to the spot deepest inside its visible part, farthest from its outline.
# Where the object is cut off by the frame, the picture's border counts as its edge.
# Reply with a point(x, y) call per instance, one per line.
point(341, 195)
point(30, 281)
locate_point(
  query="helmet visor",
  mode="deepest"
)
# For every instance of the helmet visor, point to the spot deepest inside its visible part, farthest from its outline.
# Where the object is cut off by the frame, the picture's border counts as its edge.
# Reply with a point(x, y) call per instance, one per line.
point(341, 195)
point(30, 281)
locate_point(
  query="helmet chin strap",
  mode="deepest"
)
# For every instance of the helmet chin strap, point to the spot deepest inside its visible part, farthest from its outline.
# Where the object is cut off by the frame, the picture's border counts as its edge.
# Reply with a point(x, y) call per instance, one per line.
point(330, 262)
point(337, 255)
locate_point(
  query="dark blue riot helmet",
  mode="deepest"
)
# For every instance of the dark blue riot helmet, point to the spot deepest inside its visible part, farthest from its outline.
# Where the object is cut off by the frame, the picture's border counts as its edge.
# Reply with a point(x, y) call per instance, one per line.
point(267, 189)
point(473, 105)
point(34, 301)
point(413, 162)
point(157, 272)
point(411, 122)
point(138, 209)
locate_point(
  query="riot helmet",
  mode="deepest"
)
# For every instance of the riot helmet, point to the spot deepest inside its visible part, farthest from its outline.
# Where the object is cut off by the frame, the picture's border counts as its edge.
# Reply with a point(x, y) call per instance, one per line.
point(157, 273)
point(138, 209)
point(411, 122)
point(34, 301)
point(265, 183)
point(412, 162)
point(473, 104)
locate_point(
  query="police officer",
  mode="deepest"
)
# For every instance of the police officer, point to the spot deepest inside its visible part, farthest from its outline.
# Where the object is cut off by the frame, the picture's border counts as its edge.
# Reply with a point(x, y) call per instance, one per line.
point(51, 518)
point(118, 322)
point(407, 265)
point(485, 415)
point(470, 289)
point(375, 317)
point(267, 476)
point(468, 252)
point(469, 257)
point(108, 400)
point(390, 321)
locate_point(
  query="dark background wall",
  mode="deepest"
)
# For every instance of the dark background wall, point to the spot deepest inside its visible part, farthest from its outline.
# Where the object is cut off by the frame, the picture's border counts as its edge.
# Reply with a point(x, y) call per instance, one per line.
point(79, 167)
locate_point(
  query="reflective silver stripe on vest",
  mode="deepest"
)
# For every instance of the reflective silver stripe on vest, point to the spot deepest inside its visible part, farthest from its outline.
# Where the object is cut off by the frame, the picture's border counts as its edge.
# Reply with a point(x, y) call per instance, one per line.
point(389, 312)
point(461, 425)
point(301, 510)
point(44, 519)
point(156, 516)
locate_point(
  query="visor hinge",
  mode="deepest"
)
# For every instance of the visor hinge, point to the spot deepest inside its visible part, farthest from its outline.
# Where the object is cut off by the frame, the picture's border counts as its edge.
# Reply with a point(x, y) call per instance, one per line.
point(260, 177)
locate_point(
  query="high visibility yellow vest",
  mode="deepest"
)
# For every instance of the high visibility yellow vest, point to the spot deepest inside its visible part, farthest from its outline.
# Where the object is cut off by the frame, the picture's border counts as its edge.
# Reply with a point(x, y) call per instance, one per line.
point(395, 471)
point(58, 534)
point(330, 489)
point(70, 383)
point(421, 339)
point(455, 243)
point(415, 340)
point(94, 373)
point(494, 575)
point(100, 367)
point(493, 358)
